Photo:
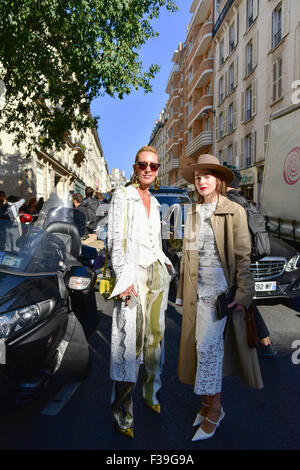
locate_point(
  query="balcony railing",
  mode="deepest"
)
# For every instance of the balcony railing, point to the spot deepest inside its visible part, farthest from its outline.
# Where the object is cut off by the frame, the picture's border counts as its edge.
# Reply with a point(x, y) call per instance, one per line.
point(202, 140)
point(202, 73)
point(205, 103)
point(203, 39)
point(172, 164)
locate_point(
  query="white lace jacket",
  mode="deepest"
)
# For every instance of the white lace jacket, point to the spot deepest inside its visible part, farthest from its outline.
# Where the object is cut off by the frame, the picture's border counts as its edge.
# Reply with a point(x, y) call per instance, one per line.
point(126, 204)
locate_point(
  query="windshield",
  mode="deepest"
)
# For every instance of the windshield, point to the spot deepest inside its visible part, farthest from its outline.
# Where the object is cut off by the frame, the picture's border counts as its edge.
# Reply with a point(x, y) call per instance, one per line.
point(171, 199)
point(28, 249)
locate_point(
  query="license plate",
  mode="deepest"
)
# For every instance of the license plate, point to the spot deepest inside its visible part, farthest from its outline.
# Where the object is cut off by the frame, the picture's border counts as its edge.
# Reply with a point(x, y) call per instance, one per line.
point(265, 286)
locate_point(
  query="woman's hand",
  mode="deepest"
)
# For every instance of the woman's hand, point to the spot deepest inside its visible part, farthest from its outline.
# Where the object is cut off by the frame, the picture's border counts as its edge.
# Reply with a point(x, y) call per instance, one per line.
point(127, 294)
point(237, 306)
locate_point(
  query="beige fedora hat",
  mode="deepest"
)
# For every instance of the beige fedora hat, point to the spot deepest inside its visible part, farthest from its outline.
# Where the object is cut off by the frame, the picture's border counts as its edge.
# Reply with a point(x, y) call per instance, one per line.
point(206, 162)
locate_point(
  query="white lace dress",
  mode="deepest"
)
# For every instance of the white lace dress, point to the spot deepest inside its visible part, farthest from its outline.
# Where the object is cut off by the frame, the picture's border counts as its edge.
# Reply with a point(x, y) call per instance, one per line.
point(209, 330)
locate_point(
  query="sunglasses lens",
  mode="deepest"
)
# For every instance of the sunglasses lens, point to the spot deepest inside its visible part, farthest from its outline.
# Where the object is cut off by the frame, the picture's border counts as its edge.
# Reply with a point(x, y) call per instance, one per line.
point(142, 165)
point(153, 167)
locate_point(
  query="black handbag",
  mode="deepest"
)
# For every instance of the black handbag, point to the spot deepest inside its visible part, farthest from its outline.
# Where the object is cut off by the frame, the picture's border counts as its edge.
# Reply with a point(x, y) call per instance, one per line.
point(222, 302)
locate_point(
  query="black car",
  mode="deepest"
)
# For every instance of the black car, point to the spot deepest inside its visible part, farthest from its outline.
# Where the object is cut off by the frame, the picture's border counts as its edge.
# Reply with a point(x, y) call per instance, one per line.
point(277, 275)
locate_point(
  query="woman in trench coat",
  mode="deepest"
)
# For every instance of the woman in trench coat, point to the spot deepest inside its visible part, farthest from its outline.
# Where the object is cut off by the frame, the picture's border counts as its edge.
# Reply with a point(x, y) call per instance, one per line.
point(215, 256)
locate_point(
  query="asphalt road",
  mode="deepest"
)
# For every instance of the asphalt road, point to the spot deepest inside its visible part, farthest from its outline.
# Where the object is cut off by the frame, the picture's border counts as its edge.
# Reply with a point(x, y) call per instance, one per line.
point(77, 417)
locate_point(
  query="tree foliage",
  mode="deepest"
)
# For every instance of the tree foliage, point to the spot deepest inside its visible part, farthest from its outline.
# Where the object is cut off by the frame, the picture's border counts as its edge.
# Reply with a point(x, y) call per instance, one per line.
point(56, 56)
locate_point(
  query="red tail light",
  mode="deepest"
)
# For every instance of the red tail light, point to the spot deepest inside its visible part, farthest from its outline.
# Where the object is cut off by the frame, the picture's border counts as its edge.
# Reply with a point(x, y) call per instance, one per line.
point(26, 218)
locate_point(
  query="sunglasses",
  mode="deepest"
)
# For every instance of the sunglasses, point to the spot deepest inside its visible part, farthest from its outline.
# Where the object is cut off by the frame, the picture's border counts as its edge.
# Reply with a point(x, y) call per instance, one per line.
point(143, 165)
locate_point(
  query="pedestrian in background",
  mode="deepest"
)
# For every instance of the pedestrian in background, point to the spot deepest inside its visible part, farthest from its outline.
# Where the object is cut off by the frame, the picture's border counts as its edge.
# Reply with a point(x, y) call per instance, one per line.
point(142, 281)
point(265, 346)
point(215, 256)
point(81, 216)
point(3, 206)
point(91, 204)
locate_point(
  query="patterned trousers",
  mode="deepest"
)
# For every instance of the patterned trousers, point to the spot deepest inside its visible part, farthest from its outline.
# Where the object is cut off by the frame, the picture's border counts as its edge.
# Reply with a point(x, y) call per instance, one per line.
point(153, 288)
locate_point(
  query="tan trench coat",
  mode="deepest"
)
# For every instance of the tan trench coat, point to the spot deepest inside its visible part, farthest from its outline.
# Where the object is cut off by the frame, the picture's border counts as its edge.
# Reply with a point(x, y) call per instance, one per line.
point(229, 223)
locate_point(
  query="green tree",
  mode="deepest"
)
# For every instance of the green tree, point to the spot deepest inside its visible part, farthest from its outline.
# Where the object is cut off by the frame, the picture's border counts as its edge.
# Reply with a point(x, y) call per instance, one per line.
point(56, 56)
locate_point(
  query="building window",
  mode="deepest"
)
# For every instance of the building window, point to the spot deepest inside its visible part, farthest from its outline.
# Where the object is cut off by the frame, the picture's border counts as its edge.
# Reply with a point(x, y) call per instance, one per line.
point(221, 157)
point(221, 90)
point(248, 103)
point(190, 136)
point(231, 37)
point(276, 25)
point(220, 126)
point(221, 56)
point(190, 46)
point(248, 149)
point(229, 155)
point(249, 13)
point(230, 118)
point(207, 125)
point(190, 75)
point(231, 79)
point(190, 106)
point(208, 89)
point(277, 80)
point(249, 55)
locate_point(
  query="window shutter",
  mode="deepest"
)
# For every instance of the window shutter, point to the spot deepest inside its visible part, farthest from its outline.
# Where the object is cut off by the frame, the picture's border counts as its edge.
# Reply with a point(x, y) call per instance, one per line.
point(234, 152)
point(255, 9)
point(285, 17)
point(254, 50)
point(274, 87)
point(279, 77)
point(269, 38)
point(254, 96)
point(226, 84)
point(225, 130)
point(244, 63)
point(242, 154)
point(234, 114)
point(253, 150)
point(243, 107)
point(235, 73)
point(217, 128)
point(266, 137)
point(237, 29)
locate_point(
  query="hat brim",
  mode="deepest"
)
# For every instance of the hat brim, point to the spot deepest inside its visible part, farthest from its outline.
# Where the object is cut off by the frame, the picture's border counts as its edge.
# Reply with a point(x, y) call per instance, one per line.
point(188, 171)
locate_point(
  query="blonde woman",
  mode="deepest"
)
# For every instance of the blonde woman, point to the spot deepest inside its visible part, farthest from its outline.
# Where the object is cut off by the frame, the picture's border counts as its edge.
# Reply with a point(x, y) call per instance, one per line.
point(216, 256)
point(142, 276)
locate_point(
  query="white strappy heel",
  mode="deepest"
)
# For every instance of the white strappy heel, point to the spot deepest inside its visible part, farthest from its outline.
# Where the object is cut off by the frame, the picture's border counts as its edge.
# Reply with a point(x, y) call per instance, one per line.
point(199, 418)
point(200, 435)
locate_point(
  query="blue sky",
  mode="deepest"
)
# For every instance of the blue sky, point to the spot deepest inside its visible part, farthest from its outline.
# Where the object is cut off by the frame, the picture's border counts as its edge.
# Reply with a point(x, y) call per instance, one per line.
point(125, 125)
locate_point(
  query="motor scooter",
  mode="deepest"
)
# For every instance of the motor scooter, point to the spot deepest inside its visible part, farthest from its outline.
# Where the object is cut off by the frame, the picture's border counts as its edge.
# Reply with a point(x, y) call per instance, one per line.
point(40, 334)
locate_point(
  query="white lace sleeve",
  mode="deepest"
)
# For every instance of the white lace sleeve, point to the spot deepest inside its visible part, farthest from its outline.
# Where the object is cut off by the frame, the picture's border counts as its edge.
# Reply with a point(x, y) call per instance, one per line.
point(115, 235)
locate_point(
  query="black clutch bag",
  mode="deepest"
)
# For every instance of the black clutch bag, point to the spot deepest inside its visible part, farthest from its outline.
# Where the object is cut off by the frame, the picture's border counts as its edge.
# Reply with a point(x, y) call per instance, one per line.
point(222, 302)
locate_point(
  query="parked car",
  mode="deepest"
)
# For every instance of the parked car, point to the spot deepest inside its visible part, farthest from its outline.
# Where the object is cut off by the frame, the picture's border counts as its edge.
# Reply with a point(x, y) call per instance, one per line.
point(277, 275)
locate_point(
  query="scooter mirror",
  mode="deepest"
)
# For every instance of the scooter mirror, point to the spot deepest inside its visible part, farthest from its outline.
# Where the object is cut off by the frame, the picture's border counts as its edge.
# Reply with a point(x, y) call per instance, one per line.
point(80, 278)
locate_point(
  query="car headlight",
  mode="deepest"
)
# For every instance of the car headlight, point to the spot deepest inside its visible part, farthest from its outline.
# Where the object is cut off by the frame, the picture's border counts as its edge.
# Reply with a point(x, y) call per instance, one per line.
point(293, 263)
point(11, 322)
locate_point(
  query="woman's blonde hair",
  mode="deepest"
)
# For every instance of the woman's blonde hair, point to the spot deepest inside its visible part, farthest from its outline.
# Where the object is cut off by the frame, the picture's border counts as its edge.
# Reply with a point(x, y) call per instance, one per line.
point(146, 148)
point(220, 187)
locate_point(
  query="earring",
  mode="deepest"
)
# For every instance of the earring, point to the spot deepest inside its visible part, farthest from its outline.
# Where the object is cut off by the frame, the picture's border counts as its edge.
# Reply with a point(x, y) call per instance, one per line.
point(156, 186)
point(135, 182)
